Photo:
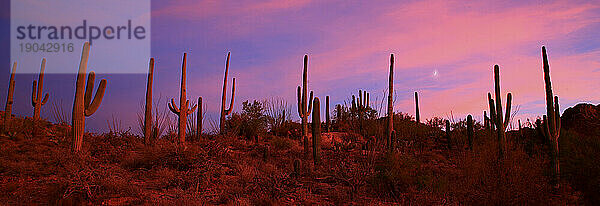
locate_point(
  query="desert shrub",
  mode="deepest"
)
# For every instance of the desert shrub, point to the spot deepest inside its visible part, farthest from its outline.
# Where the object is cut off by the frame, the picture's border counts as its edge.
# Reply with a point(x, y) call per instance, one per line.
point(251, 123)
point(517, 179)
point(281, 143)
point(579, 163)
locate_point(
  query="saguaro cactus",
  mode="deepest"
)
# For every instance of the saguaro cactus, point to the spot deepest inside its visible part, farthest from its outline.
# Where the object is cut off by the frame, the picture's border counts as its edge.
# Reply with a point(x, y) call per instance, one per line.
point(448, 134)
point(470, 131)
point(551, 126)
point(11, 91)
point(148, 112)
point(183, 110)
point(225, 112)
point(83, 106)
point(304, 108)
point(496, 112)
point(316, 131)
point(417, 114)
point(199, 118)
point(327, 119)
point(390, 106)
point(36, 96)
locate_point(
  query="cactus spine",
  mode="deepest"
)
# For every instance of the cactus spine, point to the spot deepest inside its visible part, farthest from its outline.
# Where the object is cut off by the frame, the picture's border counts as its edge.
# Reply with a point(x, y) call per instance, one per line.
point(83, 106)
point(390, 106)
point(316, 131)
point(417, 114)
point(551, 121)
point(199, 118)
point(183, 110)
point(148, 112)
point(11, 91)
point(496, 112)
point(304, 108)
point(470, 131)
point(225, 112)
point(36, 94)
point(327, 119)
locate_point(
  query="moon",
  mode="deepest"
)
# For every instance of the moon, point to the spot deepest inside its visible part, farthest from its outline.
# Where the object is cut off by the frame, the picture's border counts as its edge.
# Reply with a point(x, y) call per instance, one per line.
point(435, 73)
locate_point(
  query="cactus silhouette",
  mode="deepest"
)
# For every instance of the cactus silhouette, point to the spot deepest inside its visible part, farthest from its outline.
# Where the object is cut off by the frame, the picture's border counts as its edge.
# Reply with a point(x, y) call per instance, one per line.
point(448, 134)
point(304, 108)
point(327, 119)
point(225, 112)
point(390, 106)
point(183, 111)
point(486, 121)
point(316, 131)
point(148, 112)
point(9, 98)
point(417, 114)
point(551, 125)
point(499, 121)
point(83, 106)
point(36, 94)
point(199, 118)
point(470, 131)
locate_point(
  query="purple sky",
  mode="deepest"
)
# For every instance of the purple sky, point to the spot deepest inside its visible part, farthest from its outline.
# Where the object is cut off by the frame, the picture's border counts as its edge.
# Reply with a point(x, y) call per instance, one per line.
point(445, 50)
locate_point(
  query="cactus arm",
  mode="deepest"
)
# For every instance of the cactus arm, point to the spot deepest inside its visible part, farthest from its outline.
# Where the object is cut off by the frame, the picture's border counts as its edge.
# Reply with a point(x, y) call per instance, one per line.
point(557, 116)
point(91, 109)
point(492, 111)
point(300, 111)
point(232, 98)
point(508, 105)
point(33, 93)
point(89, 89)
point(310, 104)
point(173, 107)
point(45, 99)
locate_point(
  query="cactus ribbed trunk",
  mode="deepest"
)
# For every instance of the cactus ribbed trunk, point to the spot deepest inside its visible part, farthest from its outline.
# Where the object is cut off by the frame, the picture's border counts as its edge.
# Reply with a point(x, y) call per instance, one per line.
point(390, 106)
point(199, 118)
point(224, 111)
point(304, 105)
point(417, 114)
point(148, 112)
point(83, 106)
point(183, 111)
point(551, 122)
point(470, 131)
point(327, 118)
point(36, 94)
point(9, 98)
point(316, 131)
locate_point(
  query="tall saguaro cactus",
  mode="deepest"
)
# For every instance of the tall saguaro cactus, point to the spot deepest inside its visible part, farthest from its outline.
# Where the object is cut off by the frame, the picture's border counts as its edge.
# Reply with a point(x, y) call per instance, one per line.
point(390, 106)
point(225, 112)
point(417, 114)
point(551, 127)
point(327, 119)
point(496, 112)
point(470, 131)
point(316, 131)
point(183, 111)
point(148, 112)
point(36, 94)
point(199, 118)
point(83, 106)
point(11, 91)
point(304, 105)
